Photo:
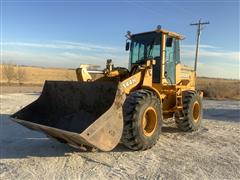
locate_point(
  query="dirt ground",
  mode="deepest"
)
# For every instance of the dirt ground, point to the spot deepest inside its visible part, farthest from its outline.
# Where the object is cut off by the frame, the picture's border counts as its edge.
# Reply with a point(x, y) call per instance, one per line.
point(37, 75)
point(213, 152)
point(21, 89)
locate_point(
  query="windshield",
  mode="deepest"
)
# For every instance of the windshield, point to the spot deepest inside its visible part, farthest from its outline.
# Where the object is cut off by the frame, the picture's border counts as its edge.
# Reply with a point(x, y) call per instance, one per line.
point(145, 46)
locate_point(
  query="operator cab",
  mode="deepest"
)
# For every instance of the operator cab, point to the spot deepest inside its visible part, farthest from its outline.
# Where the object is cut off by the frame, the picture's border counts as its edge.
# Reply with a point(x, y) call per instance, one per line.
point(148, 45)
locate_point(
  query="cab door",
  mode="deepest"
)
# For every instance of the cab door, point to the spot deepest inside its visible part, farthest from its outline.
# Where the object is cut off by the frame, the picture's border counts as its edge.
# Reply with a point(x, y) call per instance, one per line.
point(170, 65)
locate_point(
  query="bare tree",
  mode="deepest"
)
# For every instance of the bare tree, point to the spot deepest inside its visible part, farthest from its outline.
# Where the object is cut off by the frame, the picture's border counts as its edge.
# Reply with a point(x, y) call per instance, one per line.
point(20, 75)
point(8, 72)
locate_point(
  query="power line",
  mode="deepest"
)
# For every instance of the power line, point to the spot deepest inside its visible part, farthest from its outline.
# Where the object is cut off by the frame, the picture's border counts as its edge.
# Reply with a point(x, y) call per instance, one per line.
point(199, 25)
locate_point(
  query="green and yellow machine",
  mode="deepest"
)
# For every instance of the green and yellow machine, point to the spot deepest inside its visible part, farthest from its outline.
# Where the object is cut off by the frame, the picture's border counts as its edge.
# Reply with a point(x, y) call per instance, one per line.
point(125, 105)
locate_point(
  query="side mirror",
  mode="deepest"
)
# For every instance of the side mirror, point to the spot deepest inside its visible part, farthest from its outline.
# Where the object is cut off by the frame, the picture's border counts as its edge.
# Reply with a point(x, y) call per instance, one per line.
point(169, 42)
point(127, 46)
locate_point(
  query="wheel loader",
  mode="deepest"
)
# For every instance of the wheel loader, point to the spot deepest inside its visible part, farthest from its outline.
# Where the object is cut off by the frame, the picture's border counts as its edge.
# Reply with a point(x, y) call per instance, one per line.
point(121, 105)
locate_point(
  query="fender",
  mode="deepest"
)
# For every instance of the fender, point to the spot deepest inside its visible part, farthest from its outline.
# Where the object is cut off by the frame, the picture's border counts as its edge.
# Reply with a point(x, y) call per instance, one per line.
point(160, 96)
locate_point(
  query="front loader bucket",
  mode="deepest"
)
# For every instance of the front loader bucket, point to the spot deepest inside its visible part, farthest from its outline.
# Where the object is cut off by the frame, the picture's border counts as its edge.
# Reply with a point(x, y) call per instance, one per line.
point(78, 113)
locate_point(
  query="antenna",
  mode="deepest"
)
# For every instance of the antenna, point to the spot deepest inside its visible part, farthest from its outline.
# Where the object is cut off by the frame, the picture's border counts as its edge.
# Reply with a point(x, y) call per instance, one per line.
point(199, 28)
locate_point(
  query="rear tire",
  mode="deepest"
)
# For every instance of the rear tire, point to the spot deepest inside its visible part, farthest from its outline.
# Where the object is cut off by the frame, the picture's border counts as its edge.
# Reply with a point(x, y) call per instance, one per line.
point(142, 120)
point(191, 118)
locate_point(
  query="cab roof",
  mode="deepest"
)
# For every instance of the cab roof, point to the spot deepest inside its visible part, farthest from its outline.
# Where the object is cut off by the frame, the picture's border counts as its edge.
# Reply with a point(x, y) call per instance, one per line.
point(169, 33)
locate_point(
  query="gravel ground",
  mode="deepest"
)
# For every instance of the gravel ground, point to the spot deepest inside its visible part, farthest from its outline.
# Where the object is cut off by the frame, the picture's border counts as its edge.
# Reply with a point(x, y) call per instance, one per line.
point(213, 152)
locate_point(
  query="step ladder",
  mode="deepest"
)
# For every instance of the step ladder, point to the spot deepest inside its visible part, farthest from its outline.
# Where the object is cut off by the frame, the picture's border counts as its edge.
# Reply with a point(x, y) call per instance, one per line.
point(179, 103)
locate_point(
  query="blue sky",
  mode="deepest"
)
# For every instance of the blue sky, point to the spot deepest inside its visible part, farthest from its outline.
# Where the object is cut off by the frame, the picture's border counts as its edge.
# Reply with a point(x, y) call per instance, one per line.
point(67, 33)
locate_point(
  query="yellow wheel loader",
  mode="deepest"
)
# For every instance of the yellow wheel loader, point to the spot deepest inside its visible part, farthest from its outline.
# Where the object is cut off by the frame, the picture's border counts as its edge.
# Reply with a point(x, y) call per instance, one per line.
point(104, 108)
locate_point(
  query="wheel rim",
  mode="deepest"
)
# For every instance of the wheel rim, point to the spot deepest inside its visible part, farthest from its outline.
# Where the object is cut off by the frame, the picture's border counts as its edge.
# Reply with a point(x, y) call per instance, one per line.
point(196, 111)
point(149, 121)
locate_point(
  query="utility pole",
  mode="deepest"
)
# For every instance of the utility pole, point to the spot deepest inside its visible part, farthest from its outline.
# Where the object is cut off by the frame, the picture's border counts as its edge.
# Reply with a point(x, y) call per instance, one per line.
point(199, 28)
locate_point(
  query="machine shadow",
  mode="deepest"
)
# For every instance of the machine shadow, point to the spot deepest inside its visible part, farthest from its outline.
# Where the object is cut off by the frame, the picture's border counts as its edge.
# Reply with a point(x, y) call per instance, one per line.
point(228, 115)
point(169, 129)
point(17, 141)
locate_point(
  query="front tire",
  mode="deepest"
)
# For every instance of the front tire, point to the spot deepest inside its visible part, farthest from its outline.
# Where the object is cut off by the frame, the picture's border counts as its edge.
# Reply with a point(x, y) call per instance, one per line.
point(191, 118)
point(142, 120)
